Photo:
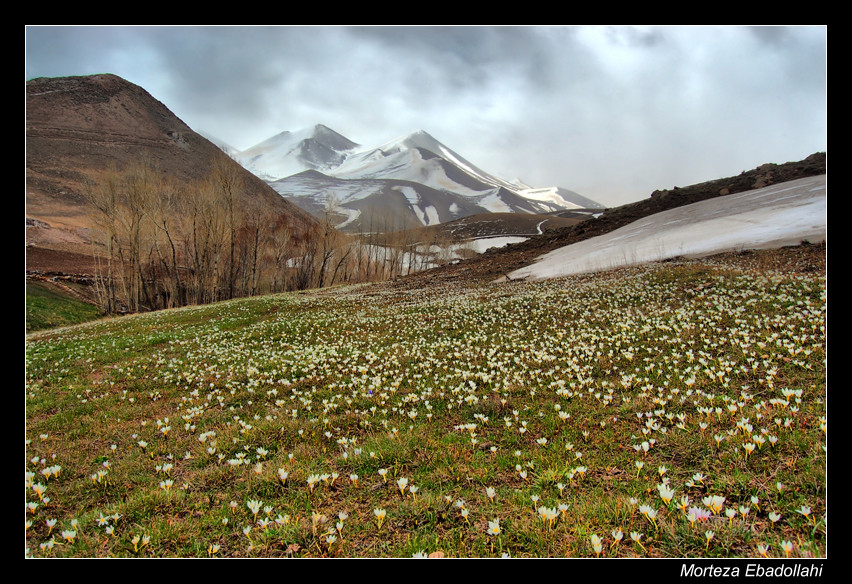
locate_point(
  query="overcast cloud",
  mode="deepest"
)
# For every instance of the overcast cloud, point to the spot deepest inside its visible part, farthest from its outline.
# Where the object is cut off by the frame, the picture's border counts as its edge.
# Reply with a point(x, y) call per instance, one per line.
point(612, 113)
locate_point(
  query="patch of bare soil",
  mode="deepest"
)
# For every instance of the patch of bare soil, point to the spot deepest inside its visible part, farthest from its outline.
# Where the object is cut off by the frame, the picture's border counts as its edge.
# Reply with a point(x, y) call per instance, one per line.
point(51, 262)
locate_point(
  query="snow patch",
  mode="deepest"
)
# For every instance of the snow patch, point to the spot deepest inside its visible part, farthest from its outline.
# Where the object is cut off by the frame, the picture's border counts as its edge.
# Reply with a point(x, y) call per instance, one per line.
point(411, 195)
point(485, 243)
point(494, 203)
point(352, 215)
point(432, 215)
point(774, 216)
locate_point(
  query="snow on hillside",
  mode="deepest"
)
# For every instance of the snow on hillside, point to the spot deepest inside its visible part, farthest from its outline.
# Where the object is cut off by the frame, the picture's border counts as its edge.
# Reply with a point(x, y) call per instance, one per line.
point(401, 158)
point(494, 203)
point(424, 256)
point(774, 216)
point(419, 158)
point(408, 165)
point(483, 244)
point(288, 153)
point(415, 158)
point(560, 197)
point(422, 139)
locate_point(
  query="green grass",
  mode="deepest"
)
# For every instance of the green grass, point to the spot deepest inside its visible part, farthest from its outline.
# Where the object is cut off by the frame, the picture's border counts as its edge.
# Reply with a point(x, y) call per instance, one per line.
point(167, 425)
point(48, 308)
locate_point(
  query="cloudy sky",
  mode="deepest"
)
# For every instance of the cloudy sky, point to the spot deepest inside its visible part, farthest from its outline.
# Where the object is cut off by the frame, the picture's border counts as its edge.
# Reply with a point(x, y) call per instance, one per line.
point(612, 113)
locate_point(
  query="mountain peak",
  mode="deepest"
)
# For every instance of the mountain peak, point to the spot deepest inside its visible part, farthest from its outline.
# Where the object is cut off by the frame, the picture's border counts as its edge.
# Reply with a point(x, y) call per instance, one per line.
point(416, 158)
point(317, 147)
point(421, 134)
point(330, 138)
point(416, 139)
point(323, 129)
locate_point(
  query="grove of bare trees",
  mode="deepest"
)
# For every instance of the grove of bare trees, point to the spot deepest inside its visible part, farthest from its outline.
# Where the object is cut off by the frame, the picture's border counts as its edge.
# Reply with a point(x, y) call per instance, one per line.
point(163, 244)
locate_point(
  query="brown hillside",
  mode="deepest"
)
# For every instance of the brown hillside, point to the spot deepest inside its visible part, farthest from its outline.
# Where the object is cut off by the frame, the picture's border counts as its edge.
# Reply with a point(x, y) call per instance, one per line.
point(79, 127)
point(497, 224)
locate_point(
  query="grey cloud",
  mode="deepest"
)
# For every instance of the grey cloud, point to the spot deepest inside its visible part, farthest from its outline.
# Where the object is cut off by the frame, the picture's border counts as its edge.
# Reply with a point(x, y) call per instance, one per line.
point(612, 112)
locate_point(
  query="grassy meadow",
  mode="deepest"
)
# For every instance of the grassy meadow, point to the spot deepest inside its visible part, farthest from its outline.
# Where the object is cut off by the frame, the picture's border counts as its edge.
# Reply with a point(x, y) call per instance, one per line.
point(670, 410)
point(48, 307)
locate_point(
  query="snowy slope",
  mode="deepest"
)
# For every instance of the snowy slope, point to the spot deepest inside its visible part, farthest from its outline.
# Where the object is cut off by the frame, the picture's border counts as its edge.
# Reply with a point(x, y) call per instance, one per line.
point(782, 214)
point(419, 157)
point(375, 200)
point(559, 196)
point(288, 153)
point(315, 165)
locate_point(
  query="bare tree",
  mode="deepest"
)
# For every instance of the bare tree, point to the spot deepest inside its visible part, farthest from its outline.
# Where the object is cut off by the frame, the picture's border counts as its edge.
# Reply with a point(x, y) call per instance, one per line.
point(165, 245)
point(279, 245)
point(103, 198)
point(165, 213)
point(205, 241)
point(227, 184)
point(122, 201)
point(329, 239)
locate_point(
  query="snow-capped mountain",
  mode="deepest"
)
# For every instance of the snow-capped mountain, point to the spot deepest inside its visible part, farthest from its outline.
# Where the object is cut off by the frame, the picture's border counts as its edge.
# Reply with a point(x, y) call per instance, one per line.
point(288, 153)
point(414, 178)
